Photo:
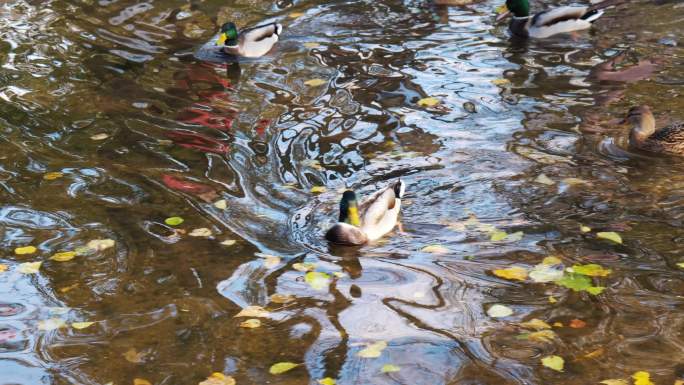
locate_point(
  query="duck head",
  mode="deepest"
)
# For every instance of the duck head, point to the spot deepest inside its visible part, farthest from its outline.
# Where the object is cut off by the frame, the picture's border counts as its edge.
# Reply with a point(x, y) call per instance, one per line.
point(229, 35)
point(519, 8)
point(642, 121)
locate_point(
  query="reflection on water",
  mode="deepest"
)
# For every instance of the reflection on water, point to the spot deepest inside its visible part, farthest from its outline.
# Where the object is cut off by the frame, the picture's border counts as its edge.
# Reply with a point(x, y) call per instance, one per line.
point(110, 125)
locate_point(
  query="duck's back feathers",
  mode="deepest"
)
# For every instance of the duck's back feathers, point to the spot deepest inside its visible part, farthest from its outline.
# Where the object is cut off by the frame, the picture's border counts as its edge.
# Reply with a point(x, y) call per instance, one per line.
point(381, 211)
point(261, 32)
point(562, 20)
point(256, 41)
point(668, 139)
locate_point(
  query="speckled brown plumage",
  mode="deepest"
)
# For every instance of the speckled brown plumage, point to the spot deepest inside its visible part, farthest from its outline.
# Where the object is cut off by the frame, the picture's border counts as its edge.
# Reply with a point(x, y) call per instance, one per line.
point(645, 136)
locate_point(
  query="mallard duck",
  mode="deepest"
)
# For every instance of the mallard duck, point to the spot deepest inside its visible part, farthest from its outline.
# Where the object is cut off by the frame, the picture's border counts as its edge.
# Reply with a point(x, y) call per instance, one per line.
point(249, 42)
point(552, 21)
point(370, 220)
point(645, 136)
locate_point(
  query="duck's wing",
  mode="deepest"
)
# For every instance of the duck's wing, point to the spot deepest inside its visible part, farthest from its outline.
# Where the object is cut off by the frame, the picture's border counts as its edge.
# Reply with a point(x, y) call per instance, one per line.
point(562, 20)
point(669, 134)
point(549, 18)
point(377, 205)
point(261, 32)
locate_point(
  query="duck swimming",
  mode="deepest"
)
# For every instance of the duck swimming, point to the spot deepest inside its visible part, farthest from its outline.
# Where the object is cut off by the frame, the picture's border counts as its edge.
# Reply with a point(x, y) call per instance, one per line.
point(249, 42)
point(551, 21)
point(370, 220)
point(645, 136)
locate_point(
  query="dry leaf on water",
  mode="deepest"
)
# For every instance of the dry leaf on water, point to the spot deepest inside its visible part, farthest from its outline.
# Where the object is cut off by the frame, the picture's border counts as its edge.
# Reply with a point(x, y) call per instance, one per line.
point(327, 381)
point(25, 250)
point(253, 311)
point(512, 273)
point(389, 368)
point(282, 367)
point(201, 232)
point(51, 324)
point(372, 350)
point(315, 82)
point(499, 311)
point(217, 378)
point(81, 325)
point(251, 323)
point(435, 249)
point(428, 102)
point(29, 267)
point(134, 356)
point(535, 324)
point(63, 256)
point(554, 362)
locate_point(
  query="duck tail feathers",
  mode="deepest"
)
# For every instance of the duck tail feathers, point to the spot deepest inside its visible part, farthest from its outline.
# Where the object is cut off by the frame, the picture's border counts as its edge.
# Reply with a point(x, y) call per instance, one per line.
point(592, 15)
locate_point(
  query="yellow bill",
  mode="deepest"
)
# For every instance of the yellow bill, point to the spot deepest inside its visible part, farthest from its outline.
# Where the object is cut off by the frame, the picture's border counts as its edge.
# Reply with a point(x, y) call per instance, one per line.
point(222, 39)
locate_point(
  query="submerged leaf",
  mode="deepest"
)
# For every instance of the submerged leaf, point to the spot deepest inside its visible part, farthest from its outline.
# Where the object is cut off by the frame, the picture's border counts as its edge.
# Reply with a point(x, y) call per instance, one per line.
point(592, 270)
point(141, 381)
point(282, 298)
point(317, 280)
point(551, 261)
point(51, 324)
point(134, 356)
point(614, 382)
point(25, 250)
point(373, 350)
point(389, 368)
point(553, 362)
point(53, 175)
point(318, 189)
point(271, 261)
point(174, 221)
point(501, 82)
point(513, 273)
point(100, 136)
point(535, 324)
point(217, 378)
point(596, 290)
point(498, 236)
point(327, 381)
point(315, 82)
point(499, 311)
point(610, 235)
point(577, 323)
point(642, 378)
point(681, 265)
point(29, 267)
point(542, 336)
point(100, 244)
point(304, 266)
point(585, 229)
point(221, 204)
point(201, 232)
point(428, 102)
point(282, 367)
point(81, 325)
point(250, 323)
point(435, 249)
point(253, 311)
point(64, 256)
point(543, 179)
point(543, 273)
point(3, 267)
point(229, 242)
point(576, 282)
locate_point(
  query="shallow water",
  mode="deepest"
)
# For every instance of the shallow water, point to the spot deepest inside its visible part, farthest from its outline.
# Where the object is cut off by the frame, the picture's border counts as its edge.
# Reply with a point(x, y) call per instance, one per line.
point(110, 125)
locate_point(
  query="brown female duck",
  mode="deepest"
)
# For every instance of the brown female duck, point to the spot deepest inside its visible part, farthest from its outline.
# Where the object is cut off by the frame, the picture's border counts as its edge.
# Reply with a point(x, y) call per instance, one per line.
point(645, 136)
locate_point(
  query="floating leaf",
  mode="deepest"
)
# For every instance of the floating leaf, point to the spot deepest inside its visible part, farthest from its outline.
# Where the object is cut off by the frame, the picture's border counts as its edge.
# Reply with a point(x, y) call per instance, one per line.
point(514, 237)
point(339, 274)
point(389, 368)
point(574, 181)
point(271, 261)
point(428, 102)
point(29, 267)
point(51, 324)
point(317, 280)
point(253, 311)
point(221, 204)
point(81, 325)
point(318, 189)
point(680, 265)
point(3, 267)
point(543, 179)
point(217, 378)
point(642, 378)
point(610, 235)
point(327, 381)
point(545, 273)
point(499, 311)
point(535, 324)
point(585, 229)
point(513, 273)
point(592, 270)
point(576, 282)
point(553, 362)
point(614, 382)
point(305, 266)
point(141, 381)
point(229, 242)
point(373, 350)
point(501, 82)
point(552, 299)
point(596, 290)
point(294, 15)
point(497, 236)
point(100, 136)
point(282, 298)
point(63, 256)
point(201, 232)
point(558, 324)
point(311, 45)
point(25, 250)
point(174, 221)
point(435, 249)
point(315, 82)
point(134, 356)
point(100, 244)
point(53, 175)
point(596, 353)
point(282, 367)
point(542, 336)
point(577, 324)
point(551, 261)
point(250, 323)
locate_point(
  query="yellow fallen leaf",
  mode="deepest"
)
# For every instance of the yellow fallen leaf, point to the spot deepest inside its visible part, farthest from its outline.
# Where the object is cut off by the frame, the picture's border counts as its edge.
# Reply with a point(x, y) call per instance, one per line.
point(513, 273)
point(63, 256)
point(271, 261)
point(251, 323)
point(25, 250)
point(51, 324)
point(542, 336)
point(81, 325)
point(315, 82)
point(217, 378)
point(318, 189)
point(428, 102)
point(221, 204)
point(535, 324)
point(282, 367)
point(543, 179)
point(303, 267)
point(610, 235)
point(100, 244)
point(294, 15)
point(642, 378)
point(134, 356)
point(282, 298)
point(29, 267)
point(253, 311)
point(497, 236)
point(53, 175)
point(596, 353)
point(558, 324)
point(3, 267)
point(551, 261)
point(501, 82)
point(229, 242)
point(201, 232)
point(574, 181)
point(327, 381)
point(435, 249)
point(499, 311)
point(100, 136)
point(389, 368)
point(585, 229)
point(614, 382)
point(373, 350)
point(339, 274)
point(553, 362)
point(552, 299)
point(311, 45)
point(317, 280)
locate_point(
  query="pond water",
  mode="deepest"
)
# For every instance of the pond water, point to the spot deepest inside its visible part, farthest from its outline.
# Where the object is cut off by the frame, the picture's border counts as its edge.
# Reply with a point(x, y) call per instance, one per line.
point(109, 125)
